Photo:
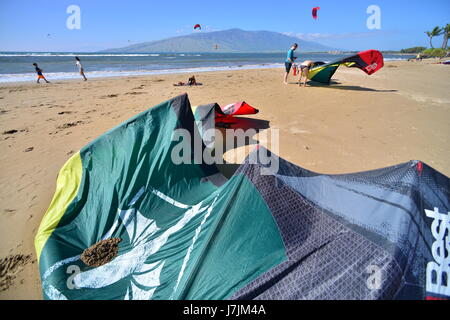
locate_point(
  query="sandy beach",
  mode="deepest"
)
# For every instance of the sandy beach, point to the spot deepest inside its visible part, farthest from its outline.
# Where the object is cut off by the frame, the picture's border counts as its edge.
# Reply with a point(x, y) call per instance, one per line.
point(358, 123)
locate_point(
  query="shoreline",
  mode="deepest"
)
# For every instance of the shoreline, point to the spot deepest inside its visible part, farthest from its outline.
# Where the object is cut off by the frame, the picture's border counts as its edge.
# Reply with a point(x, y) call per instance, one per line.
point(125, 74)
point(58, 76)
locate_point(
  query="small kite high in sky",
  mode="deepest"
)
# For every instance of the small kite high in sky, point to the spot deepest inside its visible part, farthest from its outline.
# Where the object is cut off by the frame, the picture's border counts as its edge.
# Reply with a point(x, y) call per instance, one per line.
point(314, 12)
point(197, 26)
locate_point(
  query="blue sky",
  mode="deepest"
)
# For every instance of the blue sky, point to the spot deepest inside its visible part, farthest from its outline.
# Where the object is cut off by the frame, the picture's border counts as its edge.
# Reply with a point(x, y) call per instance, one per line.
point(25, 24)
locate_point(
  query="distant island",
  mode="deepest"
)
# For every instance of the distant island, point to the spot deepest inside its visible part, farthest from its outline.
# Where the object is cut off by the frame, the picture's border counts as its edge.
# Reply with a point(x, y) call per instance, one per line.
point(233, 40)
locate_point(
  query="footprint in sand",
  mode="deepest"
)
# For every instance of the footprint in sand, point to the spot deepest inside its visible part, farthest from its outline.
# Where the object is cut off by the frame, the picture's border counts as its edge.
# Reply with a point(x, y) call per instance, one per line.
point(9, 211)
point(135, 93)
point(70, 124)
point(109, 96)
point(13, 131)
point(65, 112)
point(10, 267)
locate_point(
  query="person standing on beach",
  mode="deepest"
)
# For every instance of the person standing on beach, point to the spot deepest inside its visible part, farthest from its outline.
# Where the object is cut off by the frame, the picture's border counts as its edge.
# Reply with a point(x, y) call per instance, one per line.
point(39, 73)
point(289, 61)
point(80, 67)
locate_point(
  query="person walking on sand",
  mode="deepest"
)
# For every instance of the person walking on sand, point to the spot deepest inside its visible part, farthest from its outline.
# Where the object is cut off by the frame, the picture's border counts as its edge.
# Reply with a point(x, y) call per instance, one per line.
point(80, 67)
point(289, 61)
point(39, 73)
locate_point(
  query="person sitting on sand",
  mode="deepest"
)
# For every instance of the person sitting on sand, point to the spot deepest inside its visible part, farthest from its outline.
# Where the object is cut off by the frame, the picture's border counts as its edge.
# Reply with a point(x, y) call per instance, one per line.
point(191, 82)
point(39, 73)
point(289, 61)
point(80, 67)
point(304, 71)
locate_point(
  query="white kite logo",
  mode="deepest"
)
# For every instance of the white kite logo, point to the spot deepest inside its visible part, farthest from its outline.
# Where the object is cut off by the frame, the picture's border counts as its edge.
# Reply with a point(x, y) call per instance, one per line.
point(438, 271)
point(145, 277)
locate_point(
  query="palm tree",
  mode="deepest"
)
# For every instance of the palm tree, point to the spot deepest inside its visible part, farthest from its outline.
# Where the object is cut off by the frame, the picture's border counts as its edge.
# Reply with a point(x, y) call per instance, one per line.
point(446, 32)
point(437, 31)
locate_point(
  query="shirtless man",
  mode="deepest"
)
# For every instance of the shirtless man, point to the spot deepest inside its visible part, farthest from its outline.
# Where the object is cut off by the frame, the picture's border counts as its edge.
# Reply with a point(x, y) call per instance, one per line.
point(304, 71)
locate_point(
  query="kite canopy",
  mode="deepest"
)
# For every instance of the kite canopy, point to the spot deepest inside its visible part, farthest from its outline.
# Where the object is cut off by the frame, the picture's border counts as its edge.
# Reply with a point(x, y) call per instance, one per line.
point(197, 26)
point(212, 115)
point(238, 108)
point(369, 61)
point(185, 232)
point(314, 12)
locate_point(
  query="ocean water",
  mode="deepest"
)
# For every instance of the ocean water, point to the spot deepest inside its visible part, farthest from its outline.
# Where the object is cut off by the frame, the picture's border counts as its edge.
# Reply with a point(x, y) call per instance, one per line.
point(17, 66)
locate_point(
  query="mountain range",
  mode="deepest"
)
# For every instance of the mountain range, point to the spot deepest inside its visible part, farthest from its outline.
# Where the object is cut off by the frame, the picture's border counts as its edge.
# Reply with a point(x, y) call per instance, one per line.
point(233, 40)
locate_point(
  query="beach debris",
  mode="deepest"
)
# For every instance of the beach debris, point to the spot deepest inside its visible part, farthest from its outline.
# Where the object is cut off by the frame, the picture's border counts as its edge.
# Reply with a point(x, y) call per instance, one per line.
point(101, 252)
point(10, 267)
point(28, 149)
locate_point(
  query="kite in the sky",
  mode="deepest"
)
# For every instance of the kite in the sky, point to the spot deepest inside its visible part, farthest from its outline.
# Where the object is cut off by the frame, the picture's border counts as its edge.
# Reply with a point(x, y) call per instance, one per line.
point(197, 26)
point(314, 12)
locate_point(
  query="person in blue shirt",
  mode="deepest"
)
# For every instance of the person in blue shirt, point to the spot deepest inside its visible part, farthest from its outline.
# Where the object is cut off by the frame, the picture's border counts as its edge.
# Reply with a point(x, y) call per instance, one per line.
point(39, 73)
point(289, 61)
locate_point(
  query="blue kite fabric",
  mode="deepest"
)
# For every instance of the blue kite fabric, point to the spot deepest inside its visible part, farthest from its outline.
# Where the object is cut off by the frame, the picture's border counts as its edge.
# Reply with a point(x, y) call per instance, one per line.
point(184, 231)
